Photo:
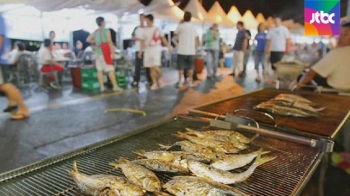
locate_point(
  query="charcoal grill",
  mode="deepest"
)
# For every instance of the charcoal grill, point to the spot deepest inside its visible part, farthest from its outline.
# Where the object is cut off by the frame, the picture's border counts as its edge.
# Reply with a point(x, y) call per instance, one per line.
point(286, 175)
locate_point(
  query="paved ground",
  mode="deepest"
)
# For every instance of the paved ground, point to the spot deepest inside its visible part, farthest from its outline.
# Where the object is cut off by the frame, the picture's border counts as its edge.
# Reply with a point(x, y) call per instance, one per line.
point(65, 120)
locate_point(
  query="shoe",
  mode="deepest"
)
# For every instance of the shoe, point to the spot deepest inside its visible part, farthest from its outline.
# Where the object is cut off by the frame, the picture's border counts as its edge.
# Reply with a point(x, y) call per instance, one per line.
point(117, 88)
point(208, 77)
point(54, 86)
point(154, 87)
point(258, 80)
point(20, 116)
point(11, 109)
point(102, 89)
point(190, 84)
point(232, 74)
point(149, 84)
point(134, 84)
point(179, 84)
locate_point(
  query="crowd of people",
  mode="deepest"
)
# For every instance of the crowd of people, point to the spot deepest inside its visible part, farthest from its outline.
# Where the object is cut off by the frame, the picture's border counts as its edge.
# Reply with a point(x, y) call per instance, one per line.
point(270, 46)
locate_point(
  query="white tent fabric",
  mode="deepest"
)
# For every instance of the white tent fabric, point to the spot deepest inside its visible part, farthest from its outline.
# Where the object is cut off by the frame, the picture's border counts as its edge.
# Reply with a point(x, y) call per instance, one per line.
point(55, 5)
point(234, 14)
point(260, 18)
point(133, 8)
point(249, 20)
point(219, 15)
point(198, 11)
point(164, 9)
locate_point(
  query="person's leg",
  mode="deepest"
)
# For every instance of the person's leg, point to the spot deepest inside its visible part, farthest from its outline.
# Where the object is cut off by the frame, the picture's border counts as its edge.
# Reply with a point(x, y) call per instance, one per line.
point(234, 62)
point(190, 67)
point(100, 70)
point(138, 63)
point(216, 61)
point(180, 67)
point(240, 59)
point(210, 60)
point(245, 62)
point(14, 96)
point(256, 64)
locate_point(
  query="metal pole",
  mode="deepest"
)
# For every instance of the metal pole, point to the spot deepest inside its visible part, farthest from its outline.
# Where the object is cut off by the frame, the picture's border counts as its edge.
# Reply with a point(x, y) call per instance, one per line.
point(348, 10)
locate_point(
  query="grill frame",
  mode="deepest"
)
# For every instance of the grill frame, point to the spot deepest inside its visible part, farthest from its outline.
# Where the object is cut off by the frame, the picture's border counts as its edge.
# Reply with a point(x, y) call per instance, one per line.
point(38, 172)
point(330, 133)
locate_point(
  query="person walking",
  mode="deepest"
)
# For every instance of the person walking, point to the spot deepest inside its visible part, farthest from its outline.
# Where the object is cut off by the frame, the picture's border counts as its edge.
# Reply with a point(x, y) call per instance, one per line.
point(105, 52)
point(212, 45)
point(186, 48)
point(277, 42)
point(139, 61)
point(16, 104)
point(259, 55)
point(239, 48)
point(151, 40)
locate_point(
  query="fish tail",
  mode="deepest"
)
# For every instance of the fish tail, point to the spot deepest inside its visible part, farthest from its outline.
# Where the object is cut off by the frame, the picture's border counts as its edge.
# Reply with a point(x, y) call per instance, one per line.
point(265, 152)
point(266, 159)
point(140, 153)
point(164, 146)
point(114, 164)
point(190, 130)
point(120, 161)
point(181, 135)
point(75, 166)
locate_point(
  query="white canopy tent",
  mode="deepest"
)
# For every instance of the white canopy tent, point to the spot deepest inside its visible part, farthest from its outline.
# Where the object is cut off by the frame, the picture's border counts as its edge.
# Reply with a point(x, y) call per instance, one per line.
point(219, 15)
point(198, 11)
point(249, 20)
point(234, 14)
point(165, 10)
point(260, 18)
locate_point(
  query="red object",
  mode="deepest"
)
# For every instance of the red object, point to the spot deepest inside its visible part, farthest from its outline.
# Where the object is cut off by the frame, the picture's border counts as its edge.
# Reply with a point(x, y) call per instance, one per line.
point(76, 76)
point(106, 51)
point(51, 68)
point(198, 65)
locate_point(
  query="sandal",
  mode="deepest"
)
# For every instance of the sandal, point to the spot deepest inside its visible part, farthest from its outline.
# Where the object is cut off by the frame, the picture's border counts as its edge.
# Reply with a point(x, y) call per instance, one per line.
point(19, 116)
point(11, 109)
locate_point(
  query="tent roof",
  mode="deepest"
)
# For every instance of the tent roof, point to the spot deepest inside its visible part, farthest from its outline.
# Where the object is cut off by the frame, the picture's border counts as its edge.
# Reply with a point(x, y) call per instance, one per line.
point(249, 20)
point(55, 5)
point(234, 14)
point(219, 15)
point(198, 11)
point(260, 18)
point(164, 9)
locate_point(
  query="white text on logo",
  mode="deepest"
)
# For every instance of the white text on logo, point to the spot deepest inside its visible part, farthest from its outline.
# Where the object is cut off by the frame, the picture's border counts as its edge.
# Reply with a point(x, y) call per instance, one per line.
point(322, 18)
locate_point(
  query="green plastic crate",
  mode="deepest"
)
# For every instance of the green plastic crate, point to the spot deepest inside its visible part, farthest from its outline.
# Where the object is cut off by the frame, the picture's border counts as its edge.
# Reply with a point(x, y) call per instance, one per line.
point(90, 85)
point(88, 73)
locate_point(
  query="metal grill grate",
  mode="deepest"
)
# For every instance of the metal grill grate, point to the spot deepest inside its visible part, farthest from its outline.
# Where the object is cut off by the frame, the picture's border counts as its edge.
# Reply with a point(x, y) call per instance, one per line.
point(284, 176)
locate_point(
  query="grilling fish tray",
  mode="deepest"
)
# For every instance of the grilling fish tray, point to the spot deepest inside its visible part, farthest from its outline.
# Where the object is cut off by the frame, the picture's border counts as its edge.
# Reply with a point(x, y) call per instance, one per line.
point(285, 174)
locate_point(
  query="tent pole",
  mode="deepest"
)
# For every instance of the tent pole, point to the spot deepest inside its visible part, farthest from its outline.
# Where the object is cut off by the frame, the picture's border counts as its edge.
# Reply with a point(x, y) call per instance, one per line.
point(169, 42)
point(348, 10)
point(42, 26)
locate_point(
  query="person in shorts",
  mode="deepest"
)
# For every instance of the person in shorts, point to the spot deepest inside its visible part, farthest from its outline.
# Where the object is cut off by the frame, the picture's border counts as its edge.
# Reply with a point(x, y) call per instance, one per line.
point(16, 104)
point(151, 40)
point(187, 48)
point(277, 41)
point(104, 55)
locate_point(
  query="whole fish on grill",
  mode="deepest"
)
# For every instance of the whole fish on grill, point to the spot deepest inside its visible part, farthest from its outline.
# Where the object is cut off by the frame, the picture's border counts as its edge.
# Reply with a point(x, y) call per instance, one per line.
point(195, 186)
point(298, 105)
point(292, 98)
point(225, 177)
point(104, 185)
point(217, 146)
point(139, 175)
point(232, 137)
point(234, 161)
point(161, 166)
point(285, 110)
point(171, 156)
point(194, 148)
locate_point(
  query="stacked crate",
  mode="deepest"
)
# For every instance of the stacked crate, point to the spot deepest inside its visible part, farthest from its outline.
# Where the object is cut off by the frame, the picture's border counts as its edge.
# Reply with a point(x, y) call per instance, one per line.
point(89, 81)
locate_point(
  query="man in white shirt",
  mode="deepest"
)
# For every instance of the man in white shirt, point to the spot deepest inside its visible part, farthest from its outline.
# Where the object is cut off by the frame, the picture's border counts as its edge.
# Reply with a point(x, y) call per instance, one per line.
point(333, 70)
point(186, 48)
point(48, 64)
point(277, 41)
point(151, 40)
point(139, 61)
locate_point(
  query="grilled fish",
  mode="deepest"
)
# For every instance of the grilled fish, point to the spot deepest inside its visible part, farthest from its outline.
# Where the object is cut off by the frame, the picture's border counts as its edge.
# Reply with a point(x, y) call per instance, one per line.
point(234, 161)
point(104, 185)
point(285, 111)
point(161, 166)
point(217, 146)
point(194, 148)
point(139, 175)
point(225, 177)
point(171, 156)
point(232, 137)
point(194, 186)
point(298, 105)
point(292, 98)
